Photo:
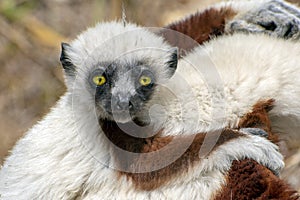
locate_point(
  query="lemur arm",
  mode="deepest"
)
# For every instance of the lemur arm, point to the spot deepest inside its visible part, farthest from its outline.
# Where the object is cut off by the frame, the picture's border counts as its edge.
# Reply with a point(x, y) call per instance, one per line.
point(275, 17)
point(230, 145)
point(247, 176)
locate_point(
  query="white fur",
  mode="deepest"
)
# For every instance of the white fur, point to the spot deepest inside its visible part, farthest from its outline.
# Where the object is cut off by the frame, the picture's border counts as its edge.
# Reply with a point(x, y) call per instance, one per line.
point(66, 154)
point(223, 80)
point(99, 44)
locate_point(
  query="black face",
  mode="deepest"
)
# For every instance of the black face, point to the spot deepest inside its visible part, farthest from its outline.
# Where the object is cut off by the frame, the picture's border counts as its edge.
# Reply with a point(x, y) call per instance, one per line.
point(122, 90)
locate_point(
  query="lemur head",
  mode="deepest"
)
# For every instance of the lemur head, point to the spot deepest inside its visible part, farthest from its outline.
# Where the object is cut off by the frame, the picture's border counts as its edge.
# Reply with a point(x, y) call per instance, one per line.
point(116, 68)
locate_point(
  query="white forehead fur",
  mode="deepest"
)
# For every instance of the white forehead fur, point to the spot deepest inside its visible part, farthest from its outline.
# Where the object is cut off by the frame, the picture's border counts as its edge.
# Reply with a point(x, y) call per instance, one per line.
point(108, 41)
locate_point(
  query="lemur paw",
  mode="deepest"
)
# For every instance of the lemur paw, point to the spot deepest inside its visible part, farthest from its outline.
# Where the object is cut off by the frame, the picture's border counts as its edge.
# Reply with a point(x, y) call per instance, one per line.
point(276, 18)
point(254, 131)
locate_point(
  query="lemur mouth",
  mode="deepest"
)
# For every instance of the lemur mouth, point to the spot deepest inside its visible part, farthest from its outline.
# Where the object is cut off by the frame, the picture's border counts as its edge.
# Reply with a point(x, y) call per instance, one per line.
point(121, 116)
point(126, 117)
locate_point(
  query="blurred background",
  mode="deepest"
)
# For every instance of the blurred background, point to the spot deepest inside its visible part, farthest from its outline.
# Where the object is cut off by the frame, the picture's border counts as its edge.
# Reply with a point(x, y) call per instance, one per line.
point(31, 31)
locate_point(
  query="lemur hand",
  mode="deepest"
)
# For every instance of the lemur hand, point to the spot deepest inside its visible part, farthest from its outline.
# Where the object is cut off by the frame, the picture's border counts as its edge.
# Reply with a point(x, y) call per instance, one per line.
point(254, 131)
point(275, 17)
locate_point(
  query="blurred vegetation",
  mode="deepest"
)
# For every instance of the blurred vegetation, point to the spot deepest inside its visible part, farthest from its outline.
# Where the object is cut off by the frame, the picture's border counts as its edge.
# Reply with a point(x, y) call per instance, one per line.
point(31, 31)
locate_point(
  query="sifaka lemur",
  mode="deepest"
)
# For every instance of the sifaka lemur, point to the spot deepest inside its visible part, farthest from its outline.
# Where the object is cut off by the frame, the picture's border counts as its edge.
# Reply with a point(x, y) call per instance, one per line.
point(129, 95)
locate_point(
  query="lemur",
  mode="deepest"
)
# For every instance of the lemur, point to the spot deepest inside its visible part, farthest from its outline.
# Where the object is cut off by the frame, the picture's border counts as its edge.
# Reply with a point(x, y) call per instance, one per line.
point(114, 73)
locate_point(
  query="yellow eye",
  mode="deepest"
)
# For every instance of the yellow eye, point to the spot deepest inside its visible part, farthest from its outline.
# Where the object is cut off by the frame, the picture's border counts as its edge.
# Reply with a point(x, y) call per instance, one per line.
point(145, 80)
point(99, 80)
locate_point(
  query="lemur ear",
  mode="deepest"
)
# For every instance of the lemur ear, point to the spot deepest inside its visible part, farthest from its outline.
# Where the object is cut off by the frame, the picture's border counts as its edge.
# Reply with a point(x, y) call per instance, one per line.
point(173, 60)
point(65, 61)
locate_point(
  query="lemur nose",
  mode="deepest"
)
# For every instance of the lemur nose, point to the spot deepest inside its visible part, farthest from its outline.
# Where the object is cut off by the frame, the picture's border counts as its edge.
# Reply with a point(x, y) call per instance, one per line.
point(121, 103)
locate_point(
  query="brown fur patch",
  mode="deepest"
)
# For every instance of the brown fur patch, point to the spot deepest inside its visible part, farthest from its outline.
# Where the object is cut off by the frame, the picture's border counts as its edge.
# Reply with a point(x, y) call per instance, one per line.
point(249, 180)
point(119, 139)
point(200, 26)
point(154, 179)
point(171, 147)
point(259, 118)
